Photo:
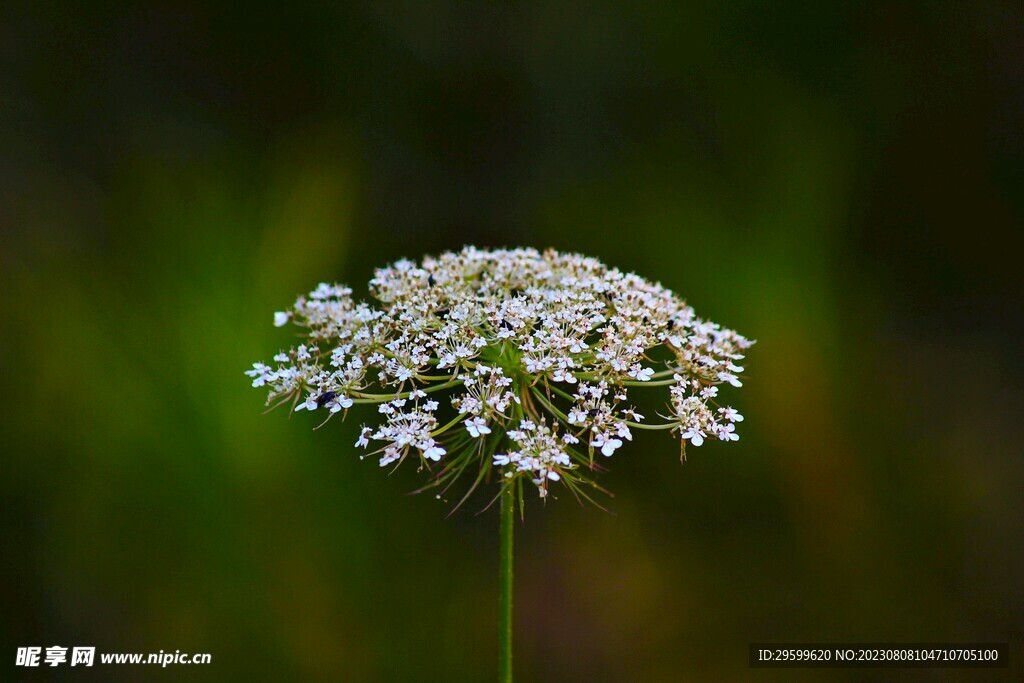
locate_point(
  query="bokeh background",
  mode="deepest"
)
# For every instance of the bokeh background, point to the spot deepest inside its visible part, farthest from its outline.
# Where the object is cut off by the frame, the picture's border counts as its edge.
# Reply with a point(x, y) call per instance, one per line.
point(841, 181)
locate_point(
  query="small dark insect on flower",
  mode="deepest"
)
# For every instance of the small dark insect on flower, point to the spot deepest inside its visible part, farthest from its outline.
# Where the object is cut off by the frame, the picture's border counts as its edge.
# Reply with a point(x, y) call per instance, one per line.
point(670, 324)
point(505, 325)
point(431, 281)
point(324, 398)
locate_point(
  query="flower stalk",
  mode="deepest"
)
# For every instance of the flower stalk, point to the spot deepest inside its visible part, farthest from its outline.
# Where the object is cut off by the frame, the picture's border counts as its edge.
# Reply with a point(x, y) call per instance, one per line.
point(506, 532)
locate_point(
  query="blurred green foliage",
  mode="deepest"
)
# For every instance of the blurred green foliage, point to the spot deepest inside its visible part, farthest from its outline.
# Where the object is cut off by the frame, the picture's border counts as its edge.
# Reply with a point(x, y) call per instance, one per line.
point(841, 181)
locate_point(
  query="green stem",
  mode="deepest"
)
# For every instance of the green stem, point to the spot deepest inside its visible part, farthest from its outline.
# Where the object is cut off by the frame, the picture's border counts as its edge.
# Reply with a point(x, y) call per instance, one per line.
point(381, 398)
point(505, 585)
point(668, 425)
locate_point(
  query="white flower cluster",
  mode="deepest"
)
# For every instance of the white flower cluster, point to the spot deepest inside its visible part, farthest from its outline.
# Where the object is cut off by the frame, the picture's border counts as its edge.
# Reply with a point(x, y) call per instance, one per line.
point(521, 340)
point(541, 454)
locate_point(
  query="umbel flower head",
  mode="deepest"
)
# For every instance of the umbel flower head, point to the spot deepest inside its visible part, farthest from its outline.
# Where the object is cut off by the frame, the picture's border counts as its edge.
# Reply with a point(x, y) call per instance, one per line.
point(506, 365)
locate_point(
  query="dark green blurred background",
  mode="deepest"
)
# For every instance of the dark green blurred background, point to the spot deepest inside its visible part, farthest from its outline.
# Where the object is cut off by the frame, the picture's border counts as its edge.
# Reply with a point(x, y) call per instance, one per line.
point(841, 181)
